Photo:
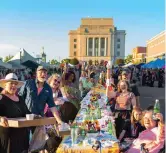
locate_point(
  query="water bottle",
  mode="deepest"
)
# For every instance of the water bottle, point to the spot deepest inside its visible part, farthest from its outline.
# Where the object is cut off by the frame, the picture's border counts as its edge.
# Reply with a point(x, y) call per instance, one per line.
point(156, 109)
point(99, 113)
point(110, 127)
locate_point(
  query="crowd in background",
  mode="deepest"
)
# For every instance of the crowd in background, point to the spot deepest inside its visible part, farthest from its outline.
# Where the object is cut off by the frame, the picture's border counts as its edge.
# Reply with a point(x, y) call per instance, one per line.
point(59, 95)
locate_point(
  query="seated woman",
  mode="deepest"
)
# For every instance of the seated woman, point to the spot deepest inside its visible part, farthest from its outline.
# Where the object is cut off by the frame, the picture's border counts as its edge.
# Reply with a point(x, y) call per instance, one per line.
point(132, 127)
point(54, 82)
point(153, 137)
point(12, 106)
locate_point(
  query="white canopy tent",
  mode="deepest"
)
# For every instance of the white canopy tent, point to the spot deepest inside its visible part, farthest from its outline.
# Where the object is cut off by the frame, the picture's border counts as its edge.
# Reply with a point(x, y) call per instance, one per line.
point(21, 57)
point(129, 64)
point(5, 65)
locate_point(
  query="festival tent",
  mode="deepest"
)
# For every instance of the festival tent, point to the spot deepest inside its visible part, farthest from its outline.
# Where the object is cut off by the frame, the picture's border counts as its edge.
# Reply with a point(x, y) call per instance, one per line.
point(5, 65)
point(22, 59)
point(155, 64)
point(158, 63)
point(139, 65)
point(147, 65)
point(129, 64)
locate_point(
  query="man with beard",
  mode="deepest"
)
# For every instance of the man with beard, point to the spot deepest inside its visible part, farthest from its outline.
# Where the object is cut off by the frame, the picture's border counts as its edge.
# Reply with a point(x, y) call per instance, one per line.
point(37, 93)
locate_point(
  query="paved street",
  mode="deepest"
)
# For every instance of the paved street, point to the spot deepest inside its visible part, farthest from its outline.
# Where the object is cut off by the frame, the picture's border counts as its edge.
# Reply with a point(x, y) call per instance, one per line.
point(150, 94)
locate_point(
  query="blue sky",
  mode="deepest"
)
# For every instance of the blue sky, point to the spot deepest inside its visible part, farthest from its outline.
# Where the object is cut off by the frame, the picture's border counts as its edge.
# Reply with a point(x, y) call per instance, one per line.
point(31, 24)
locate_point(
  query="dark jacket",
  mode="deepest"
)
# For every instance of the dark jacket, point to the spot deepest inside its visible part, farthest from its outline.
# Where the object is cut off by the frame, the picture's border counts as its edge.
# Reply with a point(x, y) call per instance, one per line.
point(36, 103)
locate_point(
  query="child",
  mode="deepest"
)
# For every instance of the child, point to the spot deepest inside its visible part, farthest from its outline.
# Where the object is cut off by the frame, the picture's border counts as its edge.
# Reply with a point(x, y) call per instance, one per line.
point(132, 127)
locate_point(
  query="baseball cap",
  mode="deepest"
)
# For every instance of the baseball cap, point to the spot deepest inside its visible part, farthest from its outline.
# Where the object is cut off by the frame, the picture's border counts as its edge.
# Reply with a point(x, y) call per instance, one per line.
point(41, 68)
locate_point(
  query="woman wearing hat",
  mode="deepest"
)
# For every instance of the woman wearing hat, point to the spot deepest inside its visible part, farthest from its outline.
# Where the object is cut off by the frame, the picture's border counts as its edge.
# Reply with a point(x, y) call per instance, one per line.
point(12, 140)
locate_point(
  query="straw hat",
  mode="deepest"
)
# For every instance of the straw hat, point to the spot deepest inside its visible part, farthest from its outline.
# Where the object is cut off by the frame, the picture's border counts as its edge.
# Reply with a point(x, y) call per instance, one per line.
point(11, 77)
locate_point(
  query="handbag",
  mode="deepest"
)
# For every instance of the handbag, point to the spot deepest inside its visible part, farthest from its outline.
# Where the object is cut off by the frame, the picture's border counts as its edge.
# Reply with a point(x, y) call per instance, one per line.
point(38, 140)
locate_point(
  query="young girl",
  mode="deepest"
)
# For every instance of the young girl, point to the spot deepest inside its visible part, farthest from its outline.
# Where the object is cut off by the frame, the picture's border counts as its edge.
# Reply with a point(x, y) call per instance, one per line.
point(132, 127)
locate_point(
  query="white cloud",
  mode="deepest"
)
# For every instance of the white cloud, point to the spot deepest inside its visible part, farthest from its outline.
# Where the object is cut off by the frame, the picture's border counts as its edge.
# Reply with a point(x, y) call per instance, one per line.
point(8, 49)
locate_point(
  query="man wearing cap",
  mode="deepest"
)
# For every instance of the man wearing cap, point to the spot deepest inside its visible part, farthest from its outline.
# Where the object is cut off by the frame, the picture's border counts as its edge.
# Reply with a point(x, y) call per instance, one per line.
point(37, 93)
point(126, 75)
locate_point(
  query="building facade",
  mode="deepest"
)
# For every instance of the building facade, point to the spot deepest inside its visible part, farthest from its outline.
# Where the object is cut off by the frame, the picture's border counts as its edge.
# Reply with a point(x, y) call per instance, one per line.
point(156, 47)
point(96, 39)
point(139, 55)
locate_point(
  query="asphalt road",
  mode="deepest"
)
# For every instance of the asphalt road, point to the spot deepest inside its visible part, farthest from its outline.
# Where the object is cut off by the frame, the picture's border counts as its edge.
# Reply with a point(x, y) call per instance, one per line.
point(150, 94)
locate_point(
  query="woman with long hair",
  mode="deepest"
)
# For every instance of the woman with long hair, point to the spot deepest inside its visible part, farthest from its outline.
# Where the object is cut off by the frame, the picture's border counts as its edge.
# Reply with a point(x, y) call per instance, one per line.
point(132, 127)
point(125, 102)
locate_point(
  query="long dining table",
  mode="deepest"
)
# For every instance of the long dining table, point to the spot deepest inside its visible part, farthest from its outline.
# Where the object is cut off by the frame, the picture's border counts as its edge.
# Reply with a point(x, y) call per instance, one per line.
point(109, 142)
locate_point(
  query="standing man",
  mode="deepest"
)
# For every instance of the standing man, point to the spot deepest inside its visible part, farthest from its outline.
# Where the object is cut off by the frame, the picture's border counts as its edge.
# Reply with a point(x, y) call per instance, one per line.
point(37, 93)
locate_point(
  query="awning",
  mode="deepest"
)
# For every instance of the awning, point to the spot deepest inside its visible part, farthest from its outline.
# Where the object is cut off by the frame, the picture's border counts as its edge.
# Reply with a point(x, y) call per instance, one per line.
point(30, 64)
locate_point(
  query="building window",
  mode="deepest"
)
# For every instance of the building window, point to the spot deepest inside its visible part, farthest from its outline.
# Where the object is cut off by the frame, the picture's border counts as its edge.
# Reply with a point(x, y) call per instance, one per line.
point(75, 46)
point(118, 45)
point(96, 46)
point(90, 43)
point(102, 42)
point(74, 53)
point(75, 40)
point(118, 40)
point(102, 53)
point(89, 53)
point(118, 53)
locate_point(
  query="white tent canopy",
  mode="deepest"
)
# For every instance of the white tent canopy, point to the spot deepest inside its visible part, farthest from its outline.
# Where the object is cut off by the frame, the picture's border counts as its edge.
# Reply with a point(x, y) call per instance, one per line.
point(129, 64)
point(21, 57)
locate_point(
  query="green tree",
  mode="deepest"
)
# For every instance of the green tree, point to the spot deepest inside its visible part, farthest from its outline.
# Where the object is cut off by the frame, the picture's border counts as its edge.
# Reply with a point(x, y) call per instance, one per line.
point(65, 60)
point(128, 59)
point(74, 61)
point(119, 61)
point(53, 62)
point(90, 62)
point(7, 58)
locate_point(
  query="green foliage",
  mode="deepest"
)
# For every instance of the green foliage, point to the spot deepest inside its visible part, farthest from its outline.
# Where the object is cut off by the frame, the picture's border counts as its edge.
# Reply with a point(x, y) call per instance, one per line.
point(119, 61)
point(65, 60)
point(74, 61)
point(128, 59)
point(90, 62)
point(7, 58)
point(53, 62)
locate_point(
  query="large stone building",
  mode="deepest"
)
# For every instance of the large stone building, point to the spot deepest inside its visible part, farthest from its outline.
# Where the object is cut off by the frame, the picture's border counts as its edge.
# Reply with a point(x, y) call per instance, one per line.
point(97, 39)
point(156, 47)
point(139, 54)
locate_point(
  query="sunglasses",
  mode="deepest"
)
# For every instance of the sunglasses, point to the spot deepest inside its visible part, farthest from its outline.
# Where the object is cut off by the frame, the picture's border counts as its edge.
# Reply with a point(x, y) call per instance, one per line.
point(55, 80)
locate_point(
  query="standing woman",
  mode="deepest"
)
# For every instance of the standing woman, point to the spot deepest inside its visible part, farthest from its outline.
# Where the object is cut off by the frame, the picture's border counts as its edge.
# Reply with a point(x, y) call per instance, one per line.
point(125, 102)
point(12, 106)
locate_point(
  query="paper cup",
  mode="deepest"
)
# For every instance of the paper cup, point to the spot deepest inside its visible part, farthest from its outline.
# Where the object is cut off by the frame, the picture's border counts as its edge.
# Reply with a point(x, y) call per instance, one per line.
point(30, 116)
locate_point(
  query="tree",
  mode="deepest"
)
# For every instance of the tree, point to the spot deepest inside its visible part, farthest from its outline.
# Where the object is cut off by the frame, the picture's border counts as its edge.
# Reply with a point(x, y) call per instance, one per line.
point(74, 61)
point(90, 62)
point(128, 59)
point(119, 61)
point(65, 60)
point(7, 58)
point(53, 62)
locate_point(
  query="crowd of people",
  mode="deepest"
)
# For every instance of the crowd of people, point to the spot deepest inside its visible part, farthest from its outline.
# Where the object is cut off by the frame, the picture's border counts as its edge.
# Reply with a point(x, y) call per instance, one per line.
point(59, 96)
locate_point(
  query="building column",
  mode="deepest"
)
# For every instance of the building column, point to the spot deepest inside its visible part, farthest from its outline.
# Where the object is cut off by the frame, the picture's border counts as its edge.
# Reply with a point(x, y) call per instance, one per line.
point(93, 48)
point(87, 46)
point(105, 47)
point(112, 47)
point(99, 47)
